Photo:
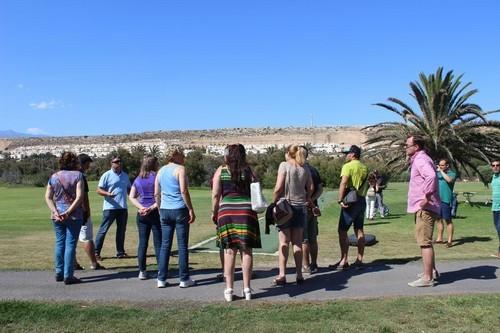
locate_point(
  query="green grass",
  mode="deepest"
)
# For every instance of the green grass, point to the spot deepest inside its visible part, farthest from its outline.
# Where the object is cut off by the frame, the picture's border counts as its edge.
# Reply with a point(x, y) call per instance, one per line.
point(26, 235)
point(474, 313)
point(26, 242)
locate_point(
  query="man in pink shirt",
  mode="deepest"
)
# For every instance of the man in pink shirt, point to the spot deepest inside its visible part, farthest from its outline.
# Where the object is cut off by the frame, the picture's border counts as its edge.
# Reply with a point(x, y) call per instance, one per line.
point(424, 202)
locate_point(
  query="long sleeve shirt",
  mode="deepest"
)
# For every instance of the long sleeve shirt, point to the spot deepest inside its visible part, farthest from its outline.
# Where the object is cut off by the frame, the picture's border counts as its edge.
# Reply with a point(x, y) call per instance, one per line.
point(423, 182)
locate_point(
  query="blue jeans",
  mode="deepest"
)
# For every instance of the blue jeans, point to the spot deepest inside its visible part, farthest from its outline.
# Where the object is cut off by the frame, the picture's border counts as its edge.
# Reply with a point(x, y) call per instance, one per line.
point(108, 217)
point(146, 224)
point(64, 250)
point(172, 219)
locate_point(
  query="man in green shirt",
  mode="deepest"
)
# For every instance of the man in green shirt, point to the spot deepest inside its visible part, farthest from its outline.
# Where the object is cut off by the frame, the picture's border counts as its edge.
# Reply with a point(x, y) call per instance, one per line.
point(446, 179)
point(495, 196)
point(354, 175)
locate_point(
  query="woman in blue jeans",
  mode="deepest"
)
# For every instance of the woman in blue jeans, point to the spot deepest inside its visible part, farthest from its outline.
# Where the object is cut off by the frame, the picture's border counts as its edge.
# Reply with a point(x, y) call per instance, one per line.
point(64, 199)
point(148, 217)
point(176, 213)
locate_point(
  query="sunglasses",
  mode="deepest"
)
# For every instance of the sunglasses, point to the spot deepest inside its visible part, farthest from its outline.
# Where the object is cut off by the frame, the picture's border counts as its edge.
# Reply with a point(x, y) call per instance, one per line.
point(495, 165)
point(118, 161)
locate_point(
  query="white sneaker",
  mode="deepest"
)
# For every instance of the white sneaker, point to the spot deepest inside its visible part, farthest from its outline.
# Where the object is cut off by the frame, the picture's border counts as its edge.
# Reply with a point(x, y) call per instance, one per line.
point(143, 275)
point(228, 294)
point(435, 275)
point(187, 283)
point(161, 284)
point(421, 283)
point(247, 293)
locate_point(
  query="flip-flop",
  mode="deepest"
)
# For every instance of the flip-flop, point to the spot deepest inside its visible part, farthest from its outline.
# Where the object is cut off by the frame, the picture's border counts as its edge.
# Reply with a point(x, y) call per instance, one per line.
point(449, 244)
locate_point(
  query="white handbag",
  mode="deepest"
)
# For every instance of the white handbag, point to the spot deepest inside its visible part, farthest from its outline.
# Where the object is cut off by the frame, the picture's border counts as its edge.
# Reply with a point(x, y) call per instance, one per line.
point(259, 203)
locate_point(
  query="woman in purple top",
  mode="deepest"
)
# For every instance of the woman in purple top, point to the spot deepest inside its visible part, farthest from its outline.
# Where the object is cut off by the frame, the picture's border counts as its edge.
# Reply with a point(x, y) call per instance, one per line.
point(148, 218)
point(64, 199)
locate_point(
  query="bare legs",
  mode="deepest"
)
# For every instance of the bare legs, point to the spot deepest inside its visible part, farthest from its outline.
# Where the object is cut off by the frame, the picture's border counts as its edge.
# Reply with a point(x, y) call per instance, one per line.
point(344, 246)
point(440, 231)
point(428, 261)
point(294, 235)
point(246, 265)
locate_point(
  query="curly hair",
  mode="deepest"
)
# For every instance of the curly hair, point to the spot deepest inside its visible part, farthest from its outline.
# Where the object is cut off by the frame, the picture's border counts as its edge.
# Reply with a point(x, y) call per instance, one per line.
point(68, 161)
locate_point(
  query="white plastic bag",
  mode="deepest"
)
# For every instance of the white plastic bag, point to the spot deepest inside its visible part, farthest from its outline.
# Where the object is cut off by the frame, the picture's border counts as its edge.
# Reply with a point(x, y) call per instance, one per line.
point(259, 203)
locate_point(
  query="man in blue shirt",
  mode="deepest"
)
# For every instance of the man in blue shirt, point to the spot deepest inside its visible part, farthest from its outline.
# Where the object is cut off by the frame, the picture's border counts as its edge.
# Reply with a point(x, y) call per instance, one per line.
point(446, 179)
point(495, 196)
point(114, 186)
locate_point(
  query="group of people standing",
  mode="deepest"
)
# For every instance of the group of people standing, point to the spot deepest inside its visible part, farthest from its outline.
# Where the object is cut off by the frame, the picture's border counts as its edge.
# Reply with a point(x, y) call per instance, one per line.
point(164, 206)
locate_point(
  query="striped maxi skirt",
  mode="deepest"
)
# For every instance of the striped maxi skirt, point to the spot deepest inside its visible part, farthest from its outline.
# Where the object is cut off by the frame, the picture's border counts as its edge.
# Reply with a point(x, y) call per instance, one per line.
point(237, 224)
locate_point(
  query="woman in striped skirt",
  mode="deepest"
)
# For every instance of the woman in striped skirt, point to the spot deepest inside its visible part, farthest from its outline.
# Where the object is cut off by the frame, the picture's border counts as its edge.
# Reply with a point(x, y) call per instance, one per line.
point(237, 223)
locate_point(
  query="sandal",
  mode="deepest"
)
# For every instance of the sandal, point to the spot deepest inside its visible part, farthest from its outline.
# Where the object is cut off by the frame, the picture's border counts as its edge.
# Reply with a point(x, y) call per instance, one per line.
point(279, 281)
point(449, 244)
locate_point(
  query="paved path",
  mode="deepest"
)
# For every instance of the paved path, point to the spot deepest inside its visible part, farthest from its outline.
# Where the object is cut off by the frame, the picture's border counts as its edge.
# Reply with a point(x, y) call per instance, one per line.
point(376, 280)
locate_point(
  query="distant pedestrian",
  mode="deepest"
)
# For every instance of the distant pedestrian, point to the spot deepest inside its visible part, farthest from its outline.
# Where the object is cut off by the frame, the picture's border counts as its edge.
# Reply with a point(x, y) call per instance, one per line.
point(446, 179)
point(380, 186)
point(64, 199)
point(424, 202)
point(87, 230)
point(148, 217)
point(114, 186)
point(371, 197)
point(176, 215)
point(310, 244)
point(237, 224)
point(295, 184)
point(495, 194)
point(354, 176)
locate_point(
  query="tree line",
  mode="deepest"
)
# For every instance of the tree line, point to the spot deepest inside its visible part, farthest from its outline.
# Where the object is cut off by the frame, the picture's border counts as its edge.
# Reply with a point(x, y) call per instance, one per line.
point(35, 170)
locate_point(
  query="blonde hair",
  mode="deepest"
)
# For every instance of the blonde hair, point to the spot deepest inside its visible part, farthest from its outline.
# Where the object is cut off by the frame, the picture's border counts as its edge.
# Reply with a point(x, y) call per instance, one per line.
point(297, 153)
point(172, 152)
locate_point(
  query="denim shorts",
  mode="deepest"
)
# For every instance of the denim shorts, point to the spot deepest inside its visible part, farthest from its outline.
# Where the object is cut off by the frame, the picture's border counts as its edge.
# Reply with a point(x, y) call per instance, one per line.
point(446, 212)
point(298, 220)
point(496, 220)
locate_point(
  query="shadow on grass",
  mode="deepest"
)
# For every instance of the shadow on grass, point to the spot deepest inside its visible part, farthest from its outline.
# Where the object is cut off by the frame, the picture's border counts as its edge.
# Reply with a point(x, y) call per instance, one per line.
point(375, 223)
point(471, 239)
point(484, 272)
point(395, 261)
point(392, 216)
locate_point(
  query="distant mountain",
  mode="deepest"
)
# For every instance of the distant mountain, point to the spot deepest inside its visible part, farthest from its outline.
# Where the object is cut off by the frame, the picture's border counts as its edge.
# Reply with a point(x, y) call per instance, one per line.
point(14, 134)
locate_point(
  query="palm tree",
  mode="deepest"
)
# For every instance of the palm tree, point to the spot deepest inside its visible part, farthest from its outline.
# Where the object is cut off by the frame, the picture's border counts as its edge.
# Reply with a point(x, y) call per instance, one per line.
point(454, 128)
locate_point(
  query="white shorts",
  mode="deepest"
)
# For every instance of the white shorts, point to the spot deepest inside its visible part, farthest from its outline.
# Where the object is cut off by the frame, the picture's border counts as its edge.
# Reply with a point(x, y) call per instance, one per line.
point(86, 232)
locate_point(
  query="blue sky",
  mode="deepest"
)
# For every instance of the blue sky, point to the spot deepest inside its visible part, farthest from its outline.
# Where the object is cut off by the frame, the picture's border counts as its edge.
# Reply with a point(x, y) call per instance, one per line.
point(104, 67)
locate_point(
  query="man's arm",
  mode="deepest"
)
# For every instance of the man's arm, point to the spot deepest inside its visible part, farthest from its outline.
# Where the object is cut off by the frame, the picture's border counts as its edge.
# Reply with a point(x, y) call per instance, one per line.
point(429, 186)
point(342, 188)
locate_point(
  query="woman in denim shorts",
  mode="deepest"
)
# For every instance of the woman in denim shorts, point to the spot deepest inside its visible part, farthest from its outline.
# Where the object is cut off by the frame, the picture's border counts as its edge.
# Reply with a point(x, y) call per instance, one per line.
point(295, 184)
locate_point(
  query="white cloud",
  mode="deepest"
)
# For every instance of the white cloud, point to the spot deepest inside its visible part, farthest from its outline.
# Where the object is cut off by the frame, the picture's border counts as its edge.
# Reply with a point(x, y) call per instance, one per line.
point(35, 131)
point(46, 105)
point(20, 85)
